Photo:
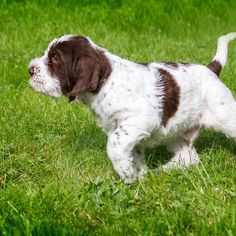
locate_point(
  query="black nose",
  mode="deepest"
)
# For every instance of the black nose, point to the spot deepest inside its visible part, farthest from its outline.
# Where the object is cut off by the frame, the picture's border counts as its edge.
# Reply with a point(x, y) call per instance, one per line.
point(31, 70)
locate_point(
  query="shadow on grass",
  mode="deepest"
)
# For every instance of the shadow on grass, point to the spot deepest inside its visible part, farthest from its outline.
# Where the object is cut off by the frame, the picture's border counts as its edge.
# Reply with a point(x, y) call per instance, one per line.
point(207, 142)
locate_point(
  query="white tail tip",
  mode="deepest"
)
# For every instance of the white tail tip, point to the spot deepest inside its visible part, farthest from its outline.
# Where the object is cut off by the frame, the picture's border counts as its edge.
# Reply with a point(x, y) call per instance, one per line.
point(222, 48)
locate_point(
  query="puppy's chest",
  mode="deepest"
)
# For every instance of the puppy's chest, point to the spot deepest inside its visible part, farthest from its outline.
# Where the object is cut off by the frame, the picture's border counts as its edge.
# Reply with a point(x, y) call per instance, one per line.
point(104, 114)
point(115, 103)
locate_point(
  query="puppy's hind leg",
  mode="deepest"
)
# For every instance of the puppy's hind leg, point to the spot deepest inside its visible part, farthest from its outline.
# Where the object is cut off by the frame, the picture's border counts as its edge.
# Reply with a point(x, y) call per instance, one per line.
point(221, 112)
point(185, 154)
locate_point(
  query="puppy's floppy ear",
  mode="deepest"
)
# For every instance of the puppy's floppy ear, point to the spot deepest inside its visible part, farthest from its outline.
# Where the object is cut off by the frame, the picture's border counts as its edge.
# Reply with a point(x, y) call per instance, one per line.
point(86, 76)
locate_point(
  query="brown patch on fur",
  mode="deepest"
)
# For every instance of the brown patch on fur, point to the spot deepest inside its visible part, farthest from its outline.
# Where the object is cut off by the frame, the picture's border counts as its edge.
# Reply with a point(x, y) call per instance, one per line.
point(171, 95)
point(172, 64)
point(143, 63)
point(215, 66)
point(184, 63)
point(191, 135)
point(79, 67)
point(175, 65)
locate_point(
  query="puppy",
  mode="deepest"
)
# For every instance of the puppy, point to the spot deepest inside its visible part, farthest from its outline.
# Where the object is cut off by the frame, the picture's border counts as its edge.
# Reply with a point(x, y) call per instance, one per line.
point(139, 105)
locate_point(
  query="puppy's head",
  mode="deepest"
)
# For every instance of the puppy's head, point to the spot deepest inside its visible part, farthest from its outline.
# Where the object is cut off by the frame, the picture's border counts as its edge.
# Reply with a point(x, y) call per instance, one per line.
point(71, 66)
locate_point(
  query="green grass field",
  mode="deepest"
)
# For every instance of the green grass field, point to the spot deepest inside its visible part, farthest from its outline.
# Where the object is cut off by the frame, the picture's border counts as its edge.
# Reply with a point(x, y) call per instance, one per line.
point(55, 177)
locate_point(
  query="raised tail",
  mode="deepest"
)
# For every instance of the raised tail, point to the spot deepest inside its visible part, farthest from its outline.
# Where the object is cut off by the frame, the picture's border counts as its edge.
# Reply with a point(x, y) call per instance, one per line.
point(220, 58)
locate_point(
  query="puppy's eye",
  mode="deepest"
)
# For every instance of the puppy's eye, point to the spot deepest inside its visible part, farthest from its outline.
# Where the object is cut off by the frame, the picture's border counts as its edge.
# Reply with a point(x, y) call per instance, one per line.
point(54, 57)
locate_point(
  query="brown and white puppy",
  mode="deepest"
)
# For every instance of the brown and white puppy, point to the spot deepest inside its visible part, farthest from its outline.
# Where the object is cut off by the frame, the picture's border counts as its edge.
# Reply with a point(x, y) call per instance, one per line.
point(139, 105)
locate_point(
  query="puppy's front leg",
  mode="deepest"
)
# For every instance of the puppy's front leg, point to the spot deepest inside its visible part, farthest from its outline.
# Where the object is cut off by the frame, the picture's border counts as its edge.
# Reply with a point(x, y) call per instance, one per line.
point(120, 146)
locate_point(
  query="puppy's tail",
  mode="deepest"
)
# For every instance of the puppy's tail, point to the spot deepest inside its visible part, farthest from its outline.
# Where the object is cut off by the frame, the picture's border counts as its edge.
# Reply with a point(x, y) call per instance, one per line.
point(220, 58)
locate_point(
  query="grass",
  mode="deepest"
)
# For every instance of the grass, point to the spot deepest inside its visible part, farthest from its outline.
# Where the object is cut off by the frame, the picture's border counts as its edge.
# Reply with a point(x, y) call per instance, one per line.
point(55, 177)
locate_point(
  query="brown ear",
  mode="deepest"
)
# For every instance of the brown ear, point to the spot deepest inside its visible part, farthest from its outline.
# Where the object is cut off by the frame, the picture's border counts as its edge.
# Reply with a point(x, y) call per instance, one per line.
point(87, 75)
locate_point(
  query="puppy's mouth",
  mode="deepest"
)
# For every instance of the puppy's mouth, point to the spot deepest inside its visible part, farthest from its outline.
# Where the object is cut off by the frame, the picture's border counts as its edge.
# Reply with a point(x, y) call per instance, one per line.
point(41, 87)
point(36, 84)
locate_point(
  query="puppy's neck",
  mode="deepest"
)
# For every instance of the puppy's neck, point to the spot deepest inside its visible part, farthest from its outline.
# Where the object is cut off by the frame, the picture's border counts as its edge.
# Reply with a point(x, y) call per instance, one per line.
point(118, 62)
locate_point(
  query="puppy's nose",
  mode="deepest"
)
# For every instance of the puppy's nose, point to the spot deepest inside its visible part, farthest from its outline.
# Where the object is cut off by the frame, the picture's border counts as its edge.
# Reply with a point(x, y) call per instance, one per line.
point(31, 70)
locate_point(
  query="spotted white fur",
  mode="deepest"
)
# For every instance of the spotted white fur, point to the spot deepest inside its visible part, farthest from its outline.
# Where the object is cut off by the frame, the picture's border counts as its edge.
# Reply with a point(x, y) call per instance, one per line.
point(42, 81)
point(129, 108)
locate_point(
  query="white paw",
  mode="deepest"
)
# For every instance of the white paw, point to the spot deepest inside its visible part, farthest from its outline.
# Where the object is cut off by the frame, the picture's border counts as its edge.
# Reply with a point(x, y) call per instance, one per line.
point(130, 179)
